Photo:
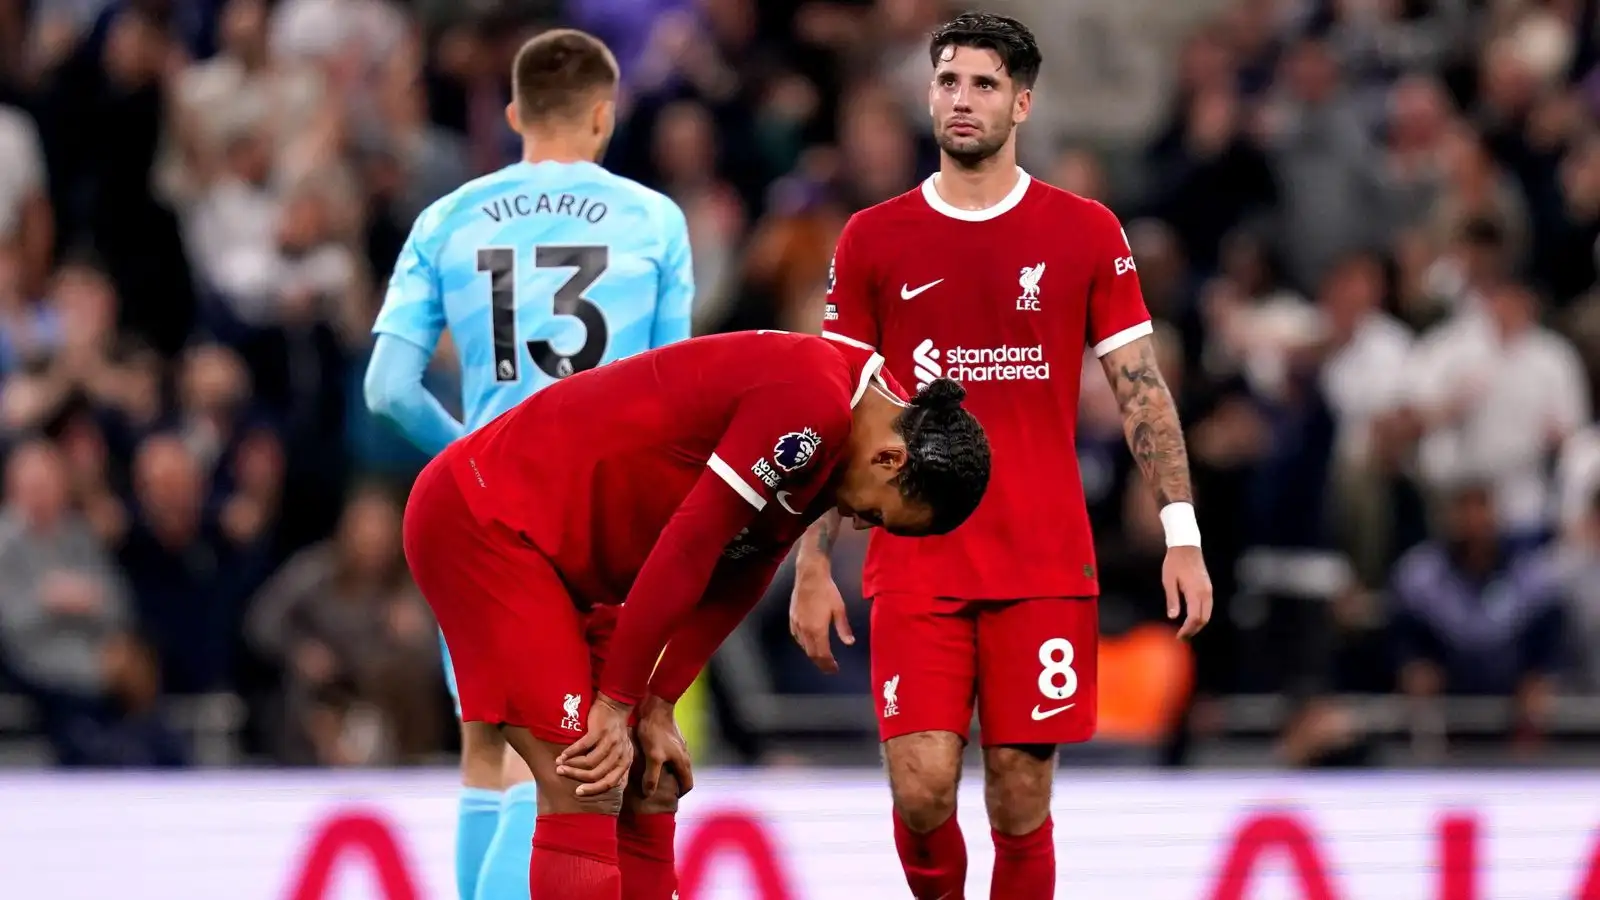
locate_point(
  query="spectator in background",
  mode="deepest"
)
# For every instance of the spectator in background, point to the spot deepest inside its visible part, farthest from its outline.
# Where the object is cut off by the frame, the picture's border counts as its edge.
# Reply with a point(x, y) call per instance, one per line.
point(70, 352)
point(27, 329)
point(1328, 167)
point(67, 628)
point(113, 82)
point(1474, 188)
point(1212, 177)
point(213, 415)
point(1565, 261)
point(1379, 41)
point(431, 161)
point(1361, 349)
point(355, 645)
point(1418, 121)
point(231, 225)
point(242, 91)
point(1494, 396)
point(187, 574)
point(27, 222)
point(1471, 614)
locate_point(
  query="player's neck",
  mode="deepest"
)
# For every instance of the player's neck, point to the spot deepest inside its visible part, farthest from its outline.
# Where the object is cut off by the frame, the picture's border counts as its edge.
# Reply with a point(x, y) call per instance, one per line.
point(977, 187)
point(552, 149)
point(872, 421)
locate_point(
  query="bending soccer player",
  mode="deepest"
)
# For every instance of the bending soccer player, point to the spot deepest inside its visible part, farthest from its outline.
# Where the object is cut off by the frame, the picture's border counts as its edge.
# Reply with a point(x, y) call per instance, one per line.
point(642, 506)
point(545, 268)
point(995, 279)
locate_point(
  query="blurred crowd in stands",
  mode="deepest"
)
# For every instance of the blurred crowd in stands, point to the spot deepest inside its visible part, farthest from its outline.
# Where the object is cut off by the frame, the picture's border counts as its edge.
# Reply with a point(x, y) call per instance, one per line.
point(1368, 229)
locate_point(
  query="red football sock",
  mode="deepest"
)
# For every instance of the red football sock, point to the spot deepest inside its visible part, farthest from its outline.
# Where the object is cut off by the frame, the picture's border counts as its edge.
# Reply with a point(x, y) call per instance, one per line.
point(1025, 865)
point(575, 858)
point(936, 862)
point(644, 854)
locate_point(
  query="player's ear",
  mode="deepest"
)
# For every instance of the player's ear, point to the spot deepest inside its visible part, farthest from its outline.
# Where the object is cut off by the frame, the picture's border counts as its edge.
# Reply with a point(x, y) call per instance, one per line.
point(513, 117)
point(1022, 106)
point(891, 458)
point(605, 117)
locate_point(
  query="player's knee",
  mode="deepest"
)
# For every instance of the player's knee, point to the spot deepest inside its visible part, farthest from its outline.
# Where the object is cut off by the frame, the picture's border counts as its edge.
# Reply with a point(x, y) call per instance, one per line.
point(1016, 786)
point(560, 795)
point(483, 753)
point(924, 773)
point(925, 803)
point(664, 800)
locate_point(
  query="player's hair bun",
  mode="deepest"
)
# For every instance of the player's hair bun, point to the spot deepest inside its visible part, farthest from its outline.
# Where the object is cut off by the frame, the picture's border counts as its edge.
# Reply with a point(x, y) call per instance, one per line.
point(947, 454)
point(941, 394)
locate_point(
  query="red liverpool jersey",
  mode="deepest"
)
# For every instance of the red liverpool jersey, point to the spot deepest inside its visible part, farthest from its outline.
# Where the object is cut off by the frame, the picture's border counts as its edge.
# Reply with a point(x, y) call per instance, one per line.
point(1003, 300)
point(647, 479)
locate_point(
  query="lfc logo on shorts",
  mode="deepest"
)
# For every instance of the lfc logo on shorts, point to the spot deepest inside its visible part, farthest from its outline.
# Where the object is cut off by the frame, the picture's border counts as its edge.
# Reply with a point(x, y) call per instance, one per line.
point(891, 703)
point(569, 709)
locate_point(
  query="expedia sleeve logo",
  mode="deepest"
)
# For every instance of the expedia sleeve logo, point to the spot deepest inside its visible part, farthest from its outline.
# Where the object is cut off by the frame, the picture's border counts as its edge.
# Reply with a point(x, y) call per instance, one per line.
point(795, 449)
point(831, 262)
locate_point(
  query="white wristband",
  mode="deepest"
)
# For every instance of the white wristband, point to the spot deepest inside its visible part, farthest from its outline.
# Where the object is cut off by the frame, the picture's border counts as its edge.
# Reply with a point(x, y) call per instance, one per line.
point(1177, 520)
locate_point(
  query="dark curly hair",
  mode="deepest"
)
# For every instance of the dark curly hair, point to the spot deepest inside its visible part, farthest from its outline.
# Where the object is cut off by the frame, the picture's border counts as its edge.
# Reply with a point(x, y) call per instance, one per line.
point(947, 455)
point(1009, 39)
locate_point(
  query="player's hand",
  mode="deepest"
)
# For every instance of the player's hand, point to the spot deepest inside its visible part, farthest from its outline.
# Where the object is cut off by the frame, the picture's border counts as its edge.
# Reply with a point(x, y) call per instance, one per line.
point(602, 757)
point(1184, 576)
point(815, 605)
point(662, 745)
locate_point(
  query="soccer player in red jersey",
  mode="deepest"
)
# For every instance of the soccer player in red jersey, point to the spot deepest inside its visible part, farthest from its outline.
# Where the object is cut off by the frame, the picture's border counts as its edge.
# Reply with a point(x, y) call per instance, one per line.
point(643, 507)
point(990, 277)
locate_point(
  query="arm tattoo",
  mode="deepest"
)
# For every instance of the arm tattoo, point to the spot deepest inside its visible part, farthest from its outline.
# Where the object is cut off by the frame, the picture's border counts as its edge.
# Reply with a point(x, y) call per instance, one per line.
point(827, 531)
point(1150, 420)
point(818, 541)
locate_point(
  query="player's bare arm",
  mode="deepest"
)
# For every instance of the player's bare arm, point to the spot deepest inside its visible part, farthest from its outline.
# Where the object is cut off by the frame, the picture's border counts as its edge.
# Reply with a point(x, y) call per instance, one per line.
point(816, 603)
point(1150, 420)
point(663, 750)
point(1155, 437)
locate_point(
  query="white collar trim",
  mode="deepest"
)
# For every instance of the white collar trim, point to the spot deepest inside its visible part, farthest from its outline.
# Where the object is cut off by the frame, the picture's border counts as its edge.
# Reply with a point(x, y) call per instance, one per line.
point(869, 374)
point(930, 193)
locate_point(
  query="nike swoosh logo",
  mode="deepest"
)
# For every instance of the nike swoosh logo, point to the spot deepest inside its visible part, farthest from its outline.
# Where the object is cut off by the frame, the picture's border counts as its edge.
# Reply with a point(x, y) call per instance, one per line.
point(1039, 715)
point(906, 293)
point(783, 501)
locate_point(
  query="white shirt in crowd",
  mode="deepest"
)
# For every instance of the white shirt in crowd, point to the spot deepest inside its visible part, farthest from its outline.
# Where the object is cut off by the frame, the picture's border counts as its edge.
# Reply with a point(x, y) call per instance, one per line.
point(1362, 381)
point(22, 174)
point(1521, 397)
point(1578, 477)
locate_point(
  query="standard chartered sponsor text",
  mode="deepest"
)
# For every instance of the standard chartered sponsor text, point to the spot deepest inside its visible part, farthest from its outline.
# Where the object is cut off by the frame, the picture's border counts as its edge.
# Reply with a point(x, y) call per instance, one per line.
point(1005, 362)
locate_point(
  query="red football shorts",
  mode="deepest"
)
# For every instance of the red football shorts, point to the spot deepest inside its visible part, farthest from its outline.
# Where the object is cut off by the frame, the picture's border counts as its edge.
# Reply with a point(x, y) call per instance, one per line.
point(1029, 665)
point(524, 654)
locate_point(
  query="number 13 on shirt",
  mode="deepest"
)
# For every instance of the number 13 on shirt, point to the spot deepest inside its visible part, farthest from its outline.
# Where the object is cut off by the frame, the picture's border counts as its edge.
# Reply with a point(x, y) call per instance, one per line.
point(588, 264)
point(508, 266)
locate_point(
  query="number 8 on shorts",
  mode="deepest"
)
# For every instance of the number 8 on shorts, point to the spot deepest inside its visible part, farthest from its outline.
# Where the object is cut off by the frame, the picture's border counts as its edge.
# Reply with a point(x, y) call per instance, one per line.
point(1036, 671)
point(1057, 680)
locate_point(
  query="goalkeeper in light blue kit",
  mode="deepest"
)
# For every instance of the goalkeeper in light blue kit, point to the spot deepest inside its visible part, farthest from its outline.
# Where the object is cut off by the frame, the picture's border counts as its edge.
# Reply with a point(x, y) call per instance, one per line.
point(543, 269)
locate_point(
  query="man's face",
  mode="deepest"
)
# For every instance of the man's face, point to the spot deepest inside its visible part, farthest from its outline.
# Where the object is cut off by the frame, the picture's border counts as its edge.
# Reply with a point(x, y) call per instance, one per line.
point(869, 495)
point(1472, 517)
point(974, 103)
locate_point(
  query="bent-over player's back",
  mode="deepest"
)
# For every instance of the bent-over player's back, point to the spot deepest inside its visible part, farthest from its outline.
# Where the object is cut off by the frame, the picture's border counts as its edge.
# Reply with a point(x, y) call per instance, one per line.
point(591, 470)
